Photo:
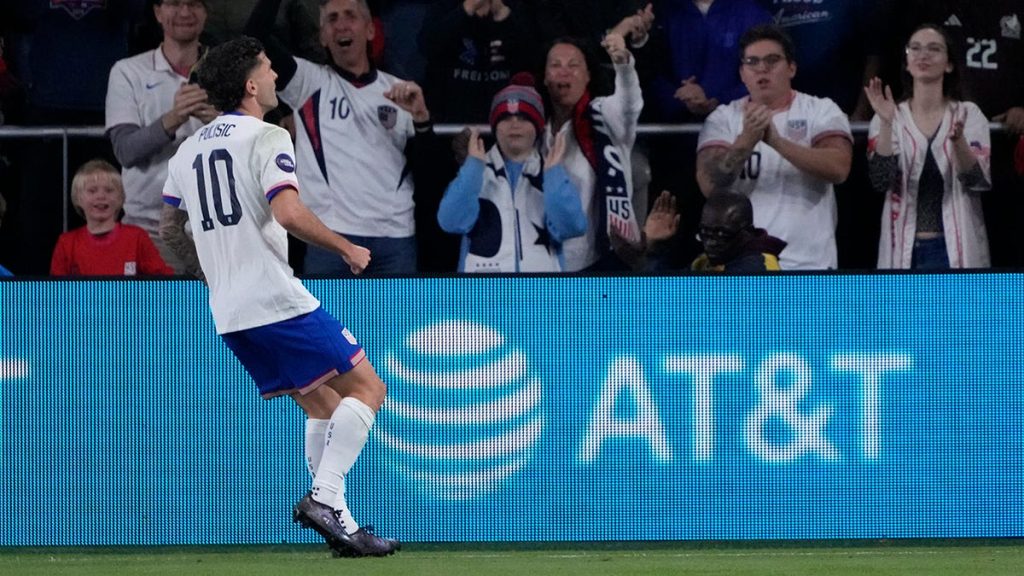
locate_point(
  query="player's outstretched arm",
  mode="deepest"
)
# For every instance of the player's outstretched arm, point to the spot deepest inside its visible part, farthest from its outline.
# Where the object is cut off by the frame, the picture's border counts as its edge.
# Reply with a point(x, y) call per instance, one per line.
point(172, 232)
point(298, 220)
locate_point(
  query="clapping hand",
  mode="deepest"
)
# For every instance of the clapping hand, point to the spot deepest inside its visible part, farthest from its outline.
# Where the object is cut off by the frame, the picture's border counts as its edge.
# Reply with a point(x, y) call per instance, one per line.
point(475, 146)
point(663, 221)
point(881, 100)
point(190, 99)
point(956, 131)
point(757, 119)
point(557, 152)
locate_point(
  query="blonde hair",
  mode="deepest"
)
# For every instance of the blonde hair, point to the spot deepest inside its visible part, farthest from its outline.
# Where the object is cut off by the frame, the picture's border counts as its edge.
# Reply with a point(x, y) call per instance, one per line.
point(94, 168)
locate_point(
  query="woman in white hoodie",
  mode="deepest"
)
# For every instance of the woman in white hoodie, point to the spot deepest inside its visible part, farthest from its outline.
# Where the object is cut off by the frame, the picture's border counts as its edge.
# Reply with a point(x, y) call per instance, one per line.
point(930, 155)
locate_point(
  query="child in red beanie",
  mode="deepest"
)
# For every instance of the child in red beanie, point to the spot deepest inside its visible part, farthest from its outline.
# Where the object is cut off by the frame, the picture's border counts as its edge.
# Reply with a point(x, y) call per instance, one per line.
point(513, 207)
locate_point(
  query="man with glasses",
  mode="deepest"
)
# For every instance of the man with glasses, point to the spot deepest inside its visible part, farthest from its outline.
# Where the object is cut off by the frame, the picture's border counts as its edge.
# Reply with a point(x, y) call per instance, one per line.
point(151, 108)
point(781, 148)
point(726, 231)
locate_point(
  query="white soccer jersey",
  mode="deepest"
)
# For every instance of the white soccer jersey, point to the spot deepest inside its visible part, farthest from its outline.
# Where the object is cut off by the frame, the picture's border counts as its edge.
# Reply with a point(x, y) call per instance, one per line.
point(788, 202)
point(226, 174)
point(351, 152)
point(140, 90)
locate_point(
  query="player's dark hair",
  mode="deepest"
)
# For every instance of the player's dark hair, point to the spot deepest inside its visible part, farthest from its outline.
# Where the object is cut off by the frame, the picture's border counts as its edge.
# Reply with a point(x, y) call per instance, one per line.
point(768, 32)
point(950, 80)
point(224, 70)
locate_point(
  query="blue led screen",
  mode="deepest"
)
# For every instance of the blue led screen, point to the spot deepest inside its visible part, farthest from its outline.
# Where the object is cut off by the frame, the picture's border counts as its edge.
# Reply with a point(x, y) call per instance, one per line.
point(532, 408)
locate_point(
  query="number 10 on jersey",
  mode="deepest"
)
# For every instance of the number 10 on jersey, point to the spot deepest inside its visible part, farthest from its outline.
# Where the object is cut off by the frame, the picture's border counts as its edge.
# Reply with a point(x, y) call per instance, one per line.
point(216, 188)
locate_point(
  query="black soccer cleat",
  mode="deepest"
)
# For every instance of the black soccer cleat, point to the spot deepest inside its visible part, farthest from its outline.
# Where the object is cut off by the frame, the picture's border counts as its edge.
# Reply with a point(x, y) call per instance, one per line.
point(321, 518)
point(364, 542)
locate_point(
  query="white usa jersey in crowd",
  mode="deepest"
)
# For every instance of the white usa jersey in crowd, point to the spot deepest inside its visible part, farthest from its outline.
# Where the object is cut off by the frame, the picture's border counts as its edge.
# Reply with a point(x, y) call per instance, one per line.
point(351, 152)
point(225, 176)
point(140, 90)
point(788, 202)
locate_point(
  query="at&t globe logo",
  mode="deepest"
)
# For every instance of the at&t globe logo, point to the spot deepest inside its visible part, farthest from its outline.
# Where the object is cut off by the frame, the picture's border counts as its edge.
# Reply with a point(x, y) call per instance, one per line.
point(463, 412)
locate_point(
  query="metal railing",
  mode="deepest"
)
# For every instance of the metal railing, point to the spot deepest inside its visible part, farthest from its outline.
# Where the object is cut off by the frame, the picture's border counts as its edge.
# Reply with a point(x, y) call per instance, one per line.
point(65, 133)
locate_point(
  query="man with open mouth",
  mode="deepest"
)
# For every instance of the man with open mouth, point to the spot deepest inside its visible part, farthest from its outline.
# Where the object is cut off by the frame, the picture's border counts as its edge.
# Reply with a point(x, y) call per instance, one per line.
point(361, 134)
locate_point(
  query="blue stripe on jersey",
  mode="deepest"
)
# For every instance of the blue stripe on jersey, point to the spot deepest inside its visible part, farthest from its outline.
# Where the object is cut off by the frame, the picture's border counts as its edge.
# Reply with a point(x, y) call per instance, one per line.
point(176, 202)
point(406, 170)
point(273, 191)
point(310, 115)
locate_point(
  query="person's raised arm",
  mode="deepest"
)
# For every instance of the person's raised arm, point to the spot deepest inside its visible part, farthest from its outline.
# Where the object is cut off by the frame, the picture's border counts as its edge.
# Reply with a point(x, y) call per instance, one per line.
point(884, 106)
point(445, 26)
point(460, 205)
point(622, 109)
point(261, 26)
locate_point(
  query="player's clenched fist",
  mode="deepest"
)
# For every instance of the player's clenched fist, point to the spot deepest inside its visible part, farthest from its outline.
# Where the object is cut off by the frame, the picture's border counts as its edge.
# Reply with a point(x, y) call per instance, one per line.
point(357, 258)
point(409, 97)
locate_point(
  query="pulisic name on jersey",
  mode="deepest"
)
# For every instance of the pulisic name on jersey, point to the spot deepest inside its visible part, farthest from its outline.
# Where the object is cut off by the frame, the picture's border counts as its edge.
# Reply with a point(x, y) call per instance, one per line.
point(218, 130)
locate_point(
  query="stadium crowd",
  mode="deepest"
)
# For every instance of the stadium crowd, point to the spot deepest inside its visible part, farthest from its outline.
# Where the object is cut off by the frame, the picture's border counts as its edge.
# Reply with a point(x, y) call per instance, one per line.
point(773, 86)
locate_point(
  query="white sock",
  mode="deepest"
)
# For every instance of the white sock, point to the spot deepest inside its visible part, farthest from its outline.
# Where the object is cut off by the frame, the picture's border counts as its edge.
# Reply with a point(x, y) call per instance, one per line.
point(344, 440)
point(316, 428)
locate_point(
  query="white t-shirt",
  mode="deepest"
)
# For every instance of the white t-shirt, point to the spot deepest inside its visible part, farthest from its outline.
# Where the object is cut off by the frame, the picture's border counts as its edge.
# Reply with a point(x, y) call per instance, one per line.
point(140, 90)
point(225, 175)
point(788, 202)
point(351, 152)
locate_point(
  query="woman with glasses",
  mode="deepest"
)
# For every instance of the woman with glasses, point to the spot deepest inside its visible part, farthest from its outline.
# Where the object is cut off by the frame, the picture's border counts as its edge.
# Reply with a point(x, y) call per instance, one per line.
point(930, 155)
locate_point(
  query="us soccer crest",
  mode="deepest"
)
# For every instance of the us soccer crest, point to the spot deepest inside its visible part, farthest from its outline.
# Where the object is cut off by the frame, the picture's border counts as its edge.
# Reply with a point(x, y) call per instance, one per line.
point(78, 8)
point(796, 129)
point(388, 116)
point(513, 106)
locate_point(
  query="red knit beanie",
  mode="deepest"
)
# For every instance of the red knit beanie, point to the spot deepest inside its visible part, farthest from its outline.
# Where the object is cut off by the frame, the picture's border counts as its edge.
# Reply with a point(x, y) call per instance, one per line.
point(519, 97)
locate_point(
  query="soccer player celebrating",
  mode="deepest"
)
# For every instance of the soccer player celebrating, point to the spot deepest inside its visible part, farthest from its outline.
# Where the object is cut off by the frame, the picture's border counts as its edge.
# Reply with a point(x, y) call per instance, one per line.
point(236, 177)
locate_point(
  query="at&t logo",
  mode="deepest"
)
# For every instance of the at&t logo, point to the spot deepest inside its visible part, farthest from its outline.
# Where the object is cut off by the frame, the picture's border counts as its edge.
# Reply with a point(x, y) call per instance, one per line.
point(464, 410)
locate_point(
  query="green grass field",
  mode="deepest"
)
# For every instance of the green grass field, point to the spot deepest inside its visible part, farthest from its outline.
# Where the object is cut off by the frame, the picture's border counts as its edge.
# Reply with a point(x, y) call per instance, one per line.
point(959, 558)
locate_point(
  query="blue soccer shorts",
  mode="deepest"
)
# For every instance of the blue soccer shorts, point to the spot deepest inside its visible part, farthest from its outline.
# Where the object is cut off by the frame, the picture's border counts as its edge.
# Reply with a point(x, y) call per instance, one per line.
point(298, 354)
